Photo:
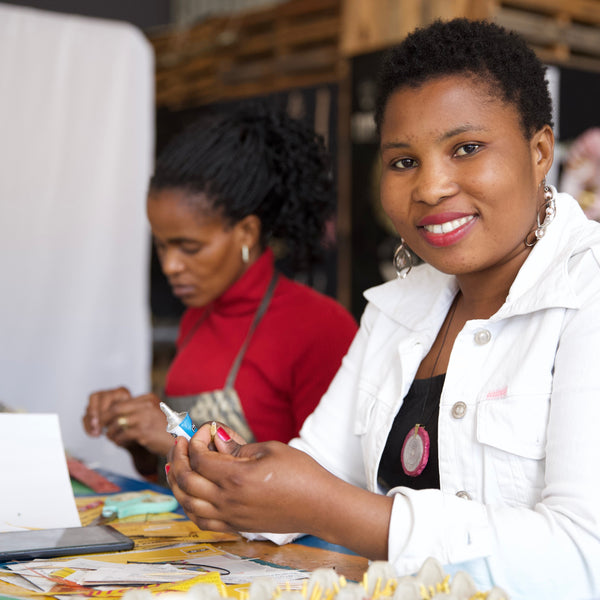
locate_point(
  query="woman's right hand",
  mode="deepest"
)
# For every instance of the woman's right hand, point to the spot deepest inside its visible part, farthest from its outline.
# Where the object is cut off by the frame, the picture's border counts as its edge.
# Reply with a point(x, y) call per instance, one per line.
point(128, 421)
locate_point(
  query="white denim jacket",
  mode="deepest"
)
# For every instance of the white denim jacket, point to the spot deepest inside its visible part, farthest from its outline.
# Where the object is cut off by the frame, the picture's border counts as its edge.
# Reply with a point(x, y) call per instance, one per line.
point(519, 420)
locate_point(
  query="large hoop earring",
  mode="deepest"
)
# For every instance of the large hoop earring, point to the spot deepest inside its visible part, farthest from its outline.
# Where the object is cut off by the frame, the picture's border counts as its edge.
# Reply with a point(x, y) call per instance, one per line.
point(403, 260)
point(245, 254)
point(549, 212)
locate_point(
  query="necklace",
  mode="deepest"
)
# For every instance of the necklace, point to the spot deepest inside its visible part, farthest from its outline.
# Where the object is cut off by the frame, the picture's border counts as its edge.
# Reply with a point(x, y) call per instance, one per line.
point(414, 455)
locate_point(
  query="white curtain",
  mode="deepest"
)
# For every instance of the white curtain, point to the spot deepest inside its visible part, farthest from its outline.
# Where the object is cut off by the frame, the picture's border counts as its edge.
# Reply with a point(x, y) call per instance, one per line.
point(76, 147)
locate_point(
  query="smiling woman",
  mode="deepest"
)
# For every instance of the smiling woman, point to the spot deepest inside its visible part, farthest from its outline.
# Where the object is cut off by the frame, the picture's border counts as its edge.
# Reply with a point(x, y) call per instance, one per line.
point(255, 350)
point(462, 423)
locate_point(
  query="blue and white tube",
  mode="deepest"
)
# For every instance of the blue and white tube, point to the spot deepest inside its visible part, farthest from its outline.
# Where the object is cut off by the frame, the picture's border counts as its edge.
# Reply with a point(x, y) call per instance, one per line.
point(178, 424)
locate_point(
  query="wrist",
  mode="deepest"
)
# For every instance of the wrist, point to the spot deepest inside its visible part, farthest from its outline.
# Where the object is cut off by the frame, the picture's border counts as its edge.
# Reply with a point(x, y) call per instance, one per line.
point(359, 521)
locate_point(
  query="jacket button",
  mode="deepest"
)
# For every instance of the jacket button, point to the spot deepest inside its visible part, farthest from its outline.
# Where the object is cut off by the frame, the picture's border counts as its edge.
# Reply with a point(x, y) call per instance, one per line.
point(463, 494)
point(482, 337)
point(459, 410)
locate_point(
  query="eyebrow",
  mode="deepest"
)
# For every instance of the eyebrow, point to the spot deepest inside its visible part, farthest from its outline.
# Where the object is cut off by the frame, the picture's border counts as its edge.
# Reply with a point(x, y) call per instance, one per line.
point(176, 240)
point(444, 136)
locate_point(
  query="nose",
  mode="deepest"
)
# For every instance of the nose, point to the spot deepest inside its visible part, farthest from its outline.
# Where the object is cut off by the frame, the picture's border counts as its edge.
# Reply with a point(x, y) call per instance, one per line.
point(434, 182)
point(170, 262)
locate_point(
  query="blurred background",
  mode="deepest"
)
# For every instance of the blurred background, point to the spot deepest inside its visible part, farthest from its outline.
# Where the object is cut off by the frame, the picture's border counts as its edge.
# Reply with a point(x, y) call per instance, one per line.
point(316, 58)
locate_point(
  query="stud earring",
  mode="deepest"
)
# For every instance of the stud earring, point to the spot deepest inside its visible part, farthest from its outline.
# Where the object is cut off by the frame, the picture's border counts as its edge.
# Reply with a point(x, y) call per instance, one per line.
point(245, 254)
point(403, 260)
point(549, 212)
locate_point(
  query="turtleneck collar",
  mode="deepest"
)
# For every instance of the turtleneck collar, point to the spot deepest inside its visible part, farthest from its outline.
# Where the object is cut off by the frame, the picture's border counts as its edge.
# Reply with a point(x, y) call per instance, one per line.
point(247, 292)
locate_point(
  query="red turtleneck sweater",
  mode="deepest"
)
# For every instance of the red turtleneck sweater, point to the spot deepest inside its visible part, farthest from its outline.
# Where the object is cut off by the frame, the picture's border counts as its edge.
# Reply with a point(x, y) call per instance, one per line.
point(292, 357)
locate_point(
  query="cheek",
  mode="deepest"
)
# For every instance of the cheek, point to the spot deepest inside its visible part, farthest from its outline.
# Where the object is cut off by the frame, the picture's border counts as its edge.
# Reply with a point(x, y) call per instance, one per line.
point(393, 202)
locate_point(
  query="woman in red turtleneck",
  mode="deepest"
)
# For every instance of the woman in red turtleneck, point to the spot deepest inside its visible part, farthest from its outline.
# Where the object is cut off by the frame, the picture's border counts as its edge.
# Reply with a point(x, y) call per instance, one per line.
point(220, 193)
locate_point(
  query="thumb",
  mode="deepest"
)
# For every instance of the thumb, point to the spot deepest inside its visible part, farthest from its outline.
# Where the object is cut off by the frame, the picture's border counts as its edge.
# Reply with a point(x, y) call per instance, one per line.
point(228, 441)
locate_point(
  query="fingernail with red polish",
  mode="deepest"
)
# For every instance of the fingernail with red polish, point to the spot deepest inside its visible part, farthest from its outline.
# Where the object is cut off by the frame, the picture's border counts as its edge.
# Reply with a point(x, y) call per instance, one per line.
point(175, 442)
point(223, 434)
point(167, 468)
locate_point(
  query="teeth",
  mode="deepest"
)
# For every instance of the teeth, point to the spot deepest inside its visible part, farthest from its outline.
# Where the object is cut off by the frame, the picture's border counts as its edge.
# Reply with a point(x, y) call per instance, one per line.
point(448, 225)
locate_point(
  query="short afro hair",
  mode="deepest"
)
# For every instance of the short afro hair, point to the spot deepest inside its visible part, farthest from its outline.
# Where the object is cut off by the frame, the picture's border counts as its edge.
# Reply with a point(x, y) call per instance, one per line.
point(478, 48)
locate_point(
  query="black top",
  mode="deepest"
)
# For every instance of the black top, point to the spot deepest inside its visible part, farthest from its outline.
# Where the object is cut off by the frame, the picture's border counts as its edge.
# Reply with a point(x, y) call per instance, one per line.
point(421, 405)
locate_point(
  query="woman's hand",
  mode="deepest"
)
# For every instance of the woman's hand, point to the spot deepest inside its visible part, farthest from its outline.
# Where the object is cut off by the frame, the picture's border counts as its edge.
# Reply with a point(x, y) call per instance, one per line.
point(94, 420)
point(243, 487)
point(128, 421)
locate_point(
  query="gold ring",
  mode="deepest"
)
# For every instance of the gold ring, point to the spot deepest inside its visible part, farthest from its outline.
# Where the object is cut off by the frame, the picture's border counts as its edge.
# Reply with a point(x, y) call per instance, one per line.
point(122, 422)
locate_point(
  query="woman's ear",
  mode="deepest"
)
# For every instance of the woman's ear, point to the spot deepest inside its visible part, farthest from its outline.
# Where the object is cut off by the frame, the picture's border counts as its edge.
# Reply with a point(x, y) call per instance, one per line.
point(543, 146)
point(249, 230)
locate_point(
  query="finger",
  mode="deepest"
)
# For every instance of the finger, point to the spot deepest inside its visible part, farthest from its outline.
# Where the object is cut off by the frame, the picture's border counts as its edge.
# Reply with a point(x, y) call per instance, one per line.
point(203, 435)
point(122, 429)
point(121, 437)
point(118, 406)
point(203, 441)
point(91, 418)
point(178, 456)
point(109, 402)
point(194, 493)
point(216, 466)
point(227, 441)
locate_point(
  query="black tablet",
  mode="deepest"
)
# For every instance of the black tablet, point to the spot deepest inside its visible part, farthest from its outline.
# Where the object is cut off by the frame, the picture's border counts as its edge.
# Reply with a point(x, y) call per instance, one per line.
point(49, 543)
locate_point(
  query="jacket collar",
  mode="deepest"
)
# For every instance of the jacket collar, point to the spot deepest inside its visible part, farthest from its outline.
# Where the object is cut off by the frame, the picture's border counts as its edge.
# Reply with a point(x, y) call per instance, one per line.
point(542, 282)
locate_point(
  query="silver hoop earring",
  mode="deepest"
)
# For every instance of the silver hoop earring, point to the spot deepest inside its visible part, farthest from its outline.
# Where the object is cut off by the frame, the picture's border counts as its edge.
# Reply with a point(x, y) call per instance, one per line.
point(403, 260)
point(245, 254)
point(549, 212)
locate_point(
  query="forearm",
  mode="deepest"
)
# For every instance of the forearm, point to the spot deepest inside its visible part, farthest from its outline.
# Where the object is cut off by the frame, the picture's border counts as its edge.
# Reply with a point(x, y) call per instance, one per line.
point(352, 517)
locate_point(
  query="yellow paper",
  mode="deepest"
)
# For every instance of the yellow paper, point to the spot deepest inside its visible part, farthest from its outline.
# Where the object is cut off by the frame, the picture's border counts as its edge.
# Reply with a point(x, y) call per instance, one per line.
point(170, 554)
point(155, 588)
point(10, 589)
point(170, 528)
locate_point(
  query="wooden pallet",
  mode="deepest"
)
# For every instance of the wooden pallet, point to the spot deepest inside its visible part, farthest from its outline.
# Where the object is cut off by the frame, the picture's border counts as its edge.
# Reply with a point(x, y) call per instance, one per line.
point(290, 45)
point(561, 32)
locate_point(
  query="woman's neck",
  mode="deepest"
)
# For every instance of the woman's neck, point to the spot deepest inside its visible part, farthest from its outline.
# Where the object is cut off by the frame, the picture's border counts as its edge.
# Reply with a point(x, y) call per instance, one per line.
point(484, 292)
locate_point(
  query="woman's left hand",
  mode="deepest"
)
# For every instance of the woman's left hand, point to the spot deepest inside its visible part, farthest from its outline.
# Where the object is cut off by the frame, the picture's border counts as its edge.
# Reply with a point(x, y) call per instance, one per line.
point(253, 487)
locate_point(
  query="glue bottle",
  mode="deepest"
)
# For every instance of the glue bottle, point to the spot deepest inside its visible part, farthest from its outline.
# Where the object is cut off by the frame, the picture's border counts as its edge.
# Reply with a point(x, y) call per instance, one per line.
point(178, 424)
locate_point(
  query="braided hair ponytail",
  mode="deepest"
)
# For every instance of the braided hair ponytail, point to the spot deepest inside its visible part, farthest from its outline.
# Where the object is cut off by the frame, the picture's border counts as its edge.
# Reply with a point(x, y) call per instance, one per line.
point(256, 160)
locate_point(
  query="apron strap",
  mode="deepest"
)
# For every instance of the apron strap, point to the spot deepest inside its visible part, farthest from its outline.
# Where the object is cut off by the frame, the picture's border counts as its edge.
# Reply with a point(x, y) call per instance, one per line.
point(264, 304)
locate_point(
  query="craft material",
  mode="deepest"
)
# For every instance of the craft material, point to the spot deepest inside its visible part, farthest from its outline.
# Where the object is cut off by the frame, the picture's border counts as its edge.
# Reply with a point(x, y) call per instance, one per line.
point(96, 482)
point(136, 503)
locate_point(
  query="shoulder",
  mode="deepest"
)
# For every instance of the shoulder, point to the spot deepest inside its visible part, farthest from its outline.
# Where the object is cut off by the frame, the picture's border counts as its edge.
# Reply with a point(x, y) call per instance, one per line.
point(579, 249)
point(562, 268)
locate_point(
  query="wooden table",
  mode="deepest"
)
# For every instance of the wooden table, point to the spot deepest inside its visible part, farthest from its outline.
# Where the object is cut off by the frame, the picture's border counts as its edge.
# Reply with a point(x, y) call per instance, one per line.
point(297, 556)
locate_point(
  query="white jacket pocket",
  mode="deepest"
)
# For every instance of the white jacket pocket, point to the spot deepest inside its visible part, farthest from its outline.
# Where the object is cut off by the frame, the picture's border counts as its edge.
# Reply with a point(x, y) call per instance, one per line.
point(513, 433)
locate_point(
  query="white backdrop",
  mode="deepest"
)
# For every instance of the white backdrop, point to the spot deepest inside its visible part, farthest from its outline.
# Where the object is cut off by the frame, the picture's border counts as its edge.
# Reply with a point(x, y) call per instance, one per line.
point(76, 147)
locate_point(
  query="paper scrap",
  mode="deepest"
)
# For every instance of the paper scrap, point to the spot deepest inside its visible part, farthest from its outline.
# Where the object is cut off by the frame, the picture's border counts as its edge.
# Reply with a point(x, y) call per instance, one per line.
point(41, 496)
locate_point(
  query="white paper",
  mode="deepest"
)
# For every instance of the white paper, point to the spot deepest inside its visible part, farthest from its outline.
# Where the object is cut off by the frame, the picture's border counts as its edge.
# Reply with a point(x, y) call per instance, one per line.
point(36, 488)
point(76, 149)
point(235, 570)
